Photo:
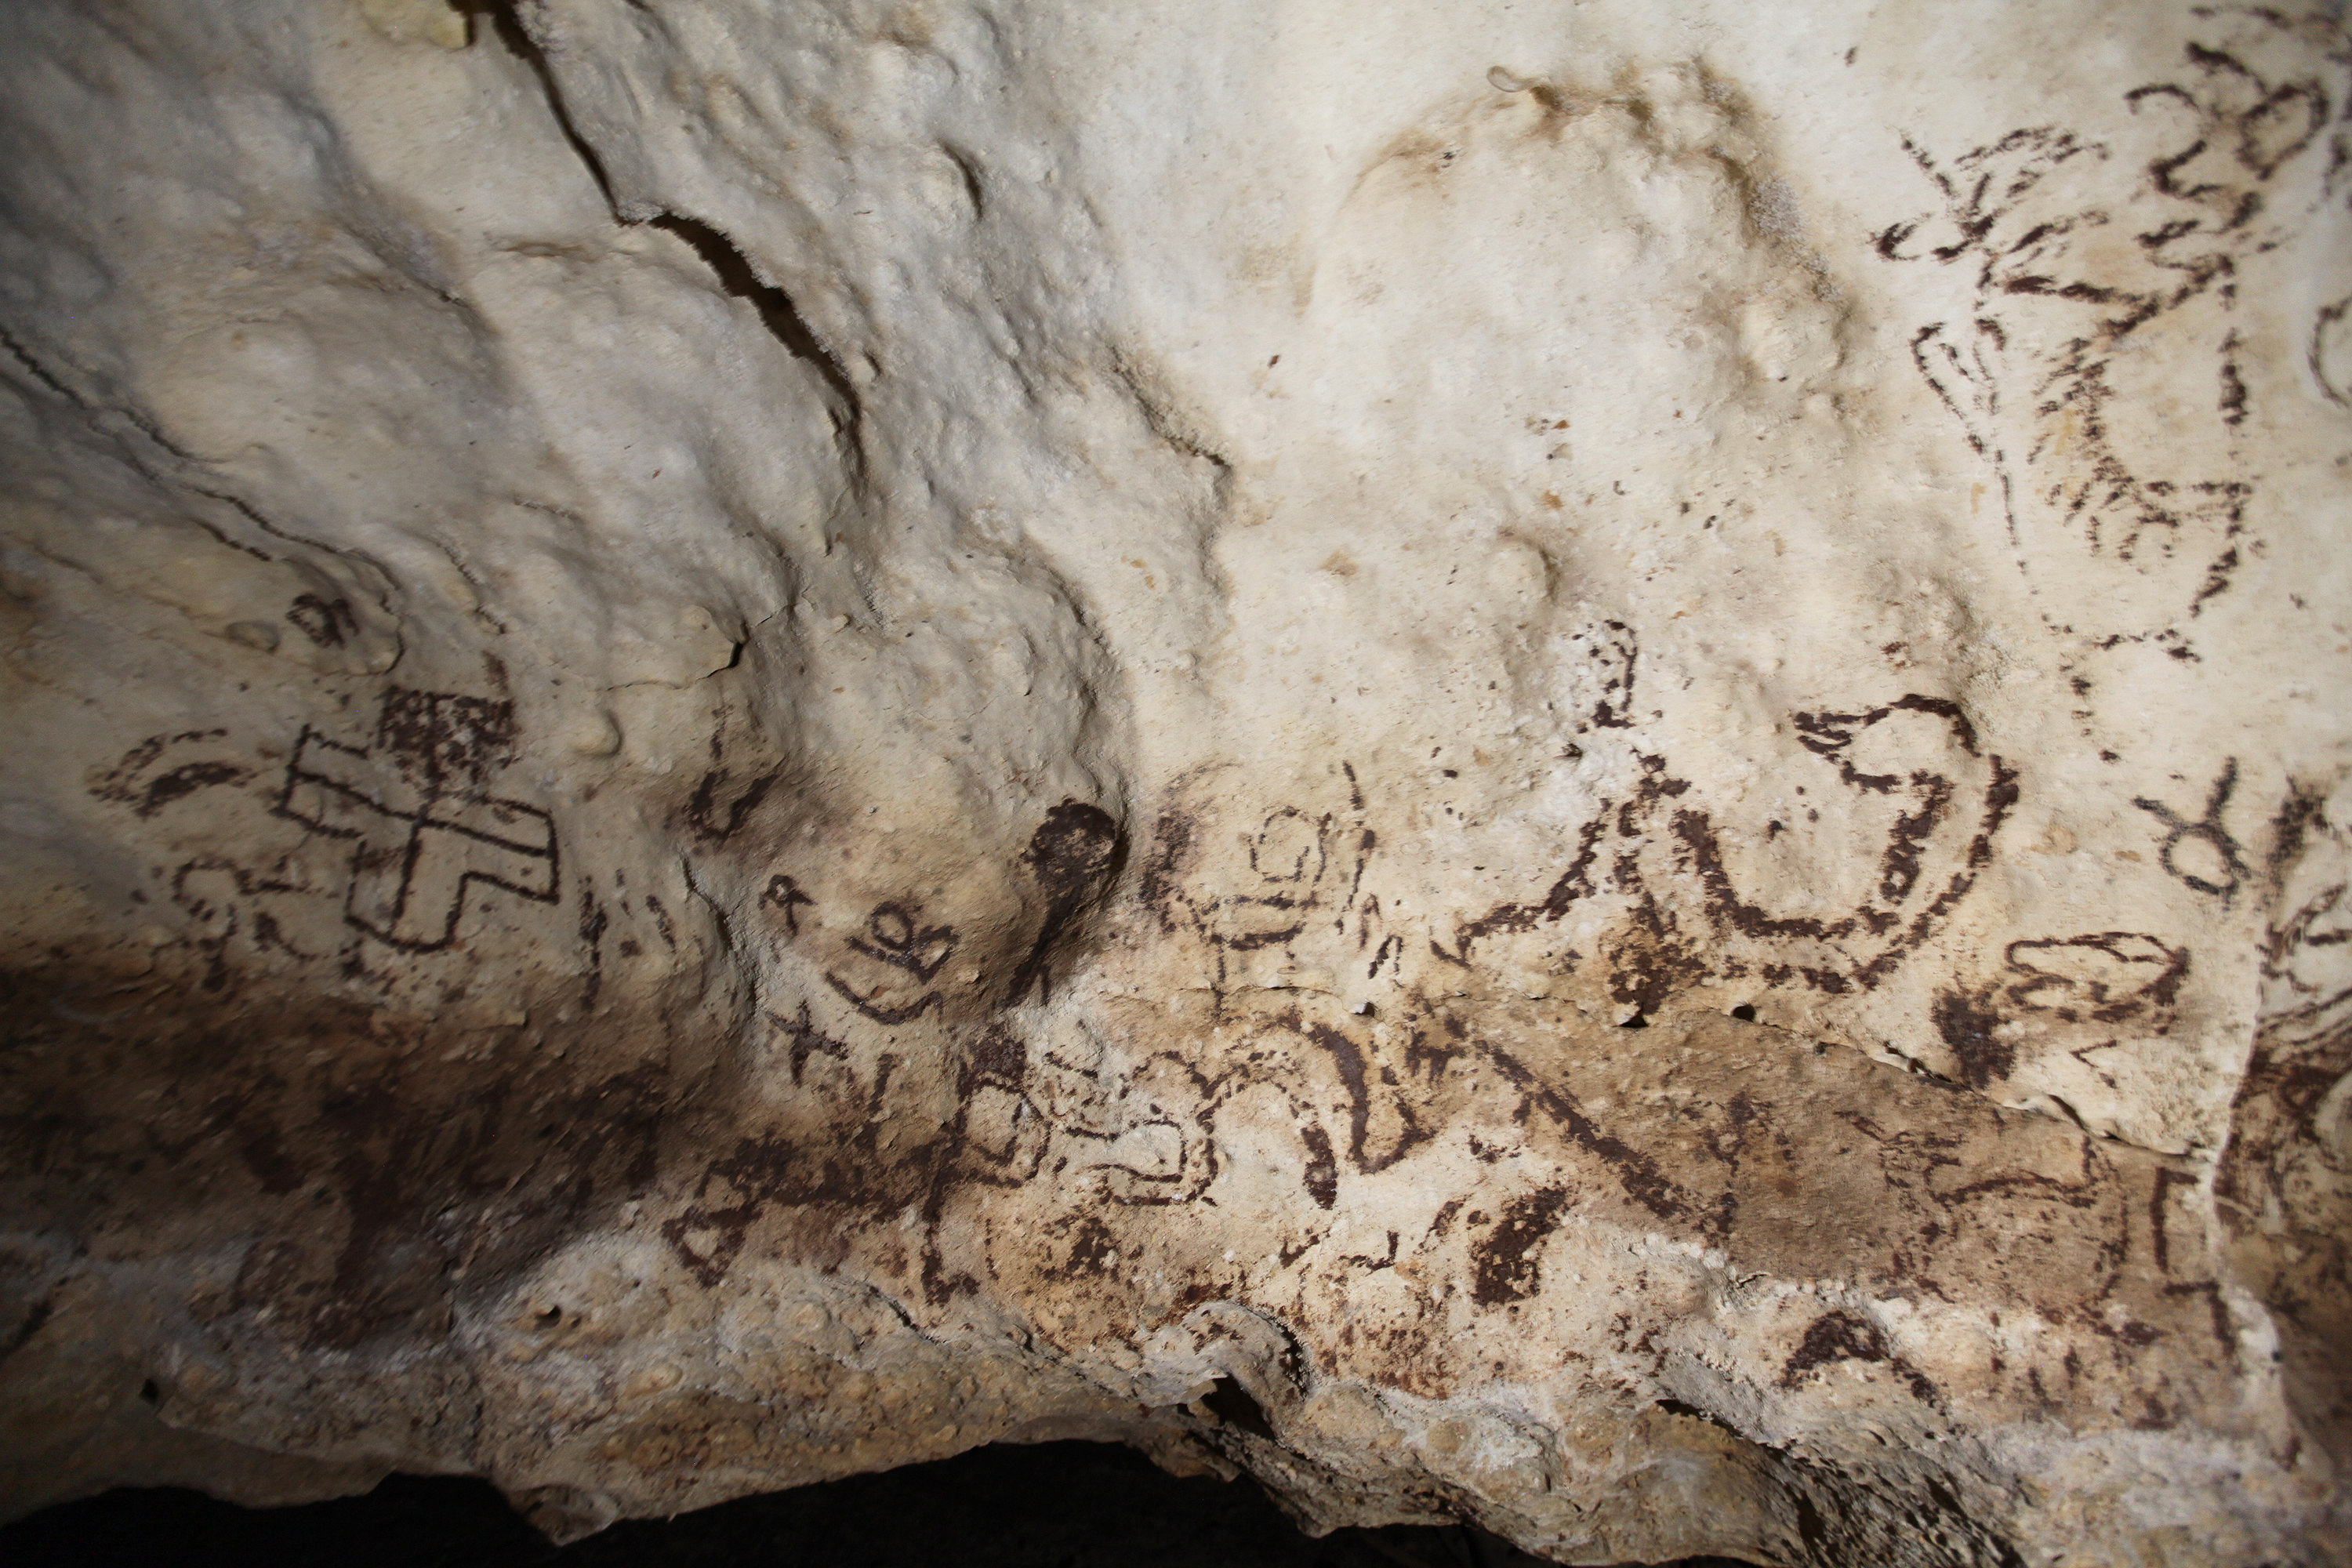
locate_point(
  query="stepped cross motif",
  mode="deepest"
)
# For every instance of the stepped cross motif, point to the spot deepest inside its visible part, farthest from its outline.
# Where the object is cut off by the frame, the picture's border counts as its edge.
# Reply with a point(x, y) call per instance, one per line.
point(416, 806)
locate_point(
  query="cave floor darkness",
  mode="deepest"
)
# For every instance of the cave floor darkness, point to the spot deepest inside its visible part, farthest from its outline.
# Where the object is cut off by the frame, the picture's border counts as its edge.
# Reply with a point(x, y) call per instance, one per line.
point(1056, 1505)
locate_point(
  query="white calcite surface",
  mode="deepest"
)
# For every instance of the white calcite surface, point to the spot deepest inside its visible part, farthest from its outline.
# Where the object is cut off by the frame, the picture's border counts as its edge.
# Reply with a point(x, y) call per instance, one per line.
point(1565, 763)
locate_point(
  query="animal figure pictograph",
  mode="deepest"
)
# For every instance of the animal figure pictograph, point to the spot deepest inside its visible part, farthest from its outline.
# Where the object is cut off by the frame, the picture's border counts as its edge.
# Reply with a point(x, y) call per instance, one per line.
point(2084, 258)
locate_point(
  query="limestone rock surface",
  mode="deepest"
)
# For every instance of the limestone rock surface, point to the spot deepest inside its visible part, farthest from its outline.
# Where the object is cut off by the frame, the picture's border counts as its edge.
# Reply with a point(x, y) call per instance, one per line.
point(1575, 763)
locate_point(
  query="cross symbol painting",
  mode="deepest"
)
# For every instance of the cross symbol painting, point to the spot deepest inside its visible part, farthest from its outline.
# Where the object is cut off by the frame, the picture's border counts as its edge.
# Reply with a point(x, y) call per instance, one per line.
point(416, 807)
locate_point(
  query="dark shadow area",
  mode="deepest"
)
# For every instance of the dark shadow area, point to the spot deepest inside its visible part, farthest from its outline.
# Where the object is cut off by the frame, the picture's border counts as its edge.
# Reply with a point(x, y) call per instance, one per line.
point(1056, 1505)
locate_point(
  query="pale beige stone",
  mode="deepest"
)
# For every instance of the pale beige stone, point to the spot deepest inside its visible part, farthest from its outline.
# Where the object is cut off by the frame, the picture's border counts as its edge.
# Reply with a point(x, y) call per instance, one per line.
point(1577, 764)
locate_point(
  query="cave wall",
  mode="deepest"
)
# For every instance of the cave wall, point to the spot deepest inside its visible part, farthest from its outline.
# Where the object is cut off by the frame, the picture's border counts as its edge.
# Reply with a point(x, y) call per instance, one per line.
point(1575, 764)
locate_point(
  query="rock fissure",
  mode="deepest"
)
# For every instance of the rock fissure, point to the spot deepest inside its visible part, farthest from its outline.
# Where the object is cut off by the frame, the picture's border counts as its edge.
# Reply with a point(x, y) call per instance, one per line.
point(735, 271)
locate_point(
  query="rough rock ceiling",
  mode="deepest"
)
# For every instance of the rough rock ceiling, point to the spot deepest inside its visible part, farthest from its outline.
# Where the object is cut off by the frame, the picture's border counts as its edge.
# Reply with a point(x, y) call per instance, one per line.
point(1577, 764)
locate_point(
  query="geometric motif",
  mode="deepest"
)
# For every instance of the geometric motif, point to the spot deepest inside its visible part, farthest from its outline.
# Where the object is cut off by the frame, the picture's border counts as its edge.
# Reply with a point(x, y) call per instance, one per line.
point(423, 825)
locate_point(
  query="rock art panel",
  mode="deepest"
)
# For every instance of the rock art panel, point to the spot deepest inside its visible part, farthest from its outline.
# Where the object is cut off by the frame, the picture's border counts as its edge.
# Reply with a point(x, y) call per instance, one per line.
point(1572, 766)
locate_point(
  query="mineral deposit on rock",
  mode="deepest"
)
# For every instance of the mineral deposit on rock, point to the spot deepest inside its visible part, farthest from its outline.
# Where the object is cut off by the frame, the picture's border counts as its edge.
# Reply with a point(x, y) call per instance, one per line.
point(1574, 764)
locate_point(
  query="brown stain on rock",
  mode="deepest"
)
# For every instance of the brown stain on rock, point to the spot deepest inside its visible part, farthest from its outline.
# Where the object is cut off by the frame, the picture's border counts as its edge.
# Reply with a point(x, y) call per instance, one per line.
point(1966, 1024)
point(1506, 1263)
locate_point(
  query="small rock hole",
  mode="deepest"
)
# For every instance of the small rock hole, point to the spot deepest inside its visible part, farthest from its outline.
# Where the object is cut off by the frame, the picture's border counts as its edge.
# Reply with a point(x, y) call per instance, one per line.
point(1745, 1012)
point(1233, 1405)
point(1635, 1022)
point(550, 1317)
point(150, 1392)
